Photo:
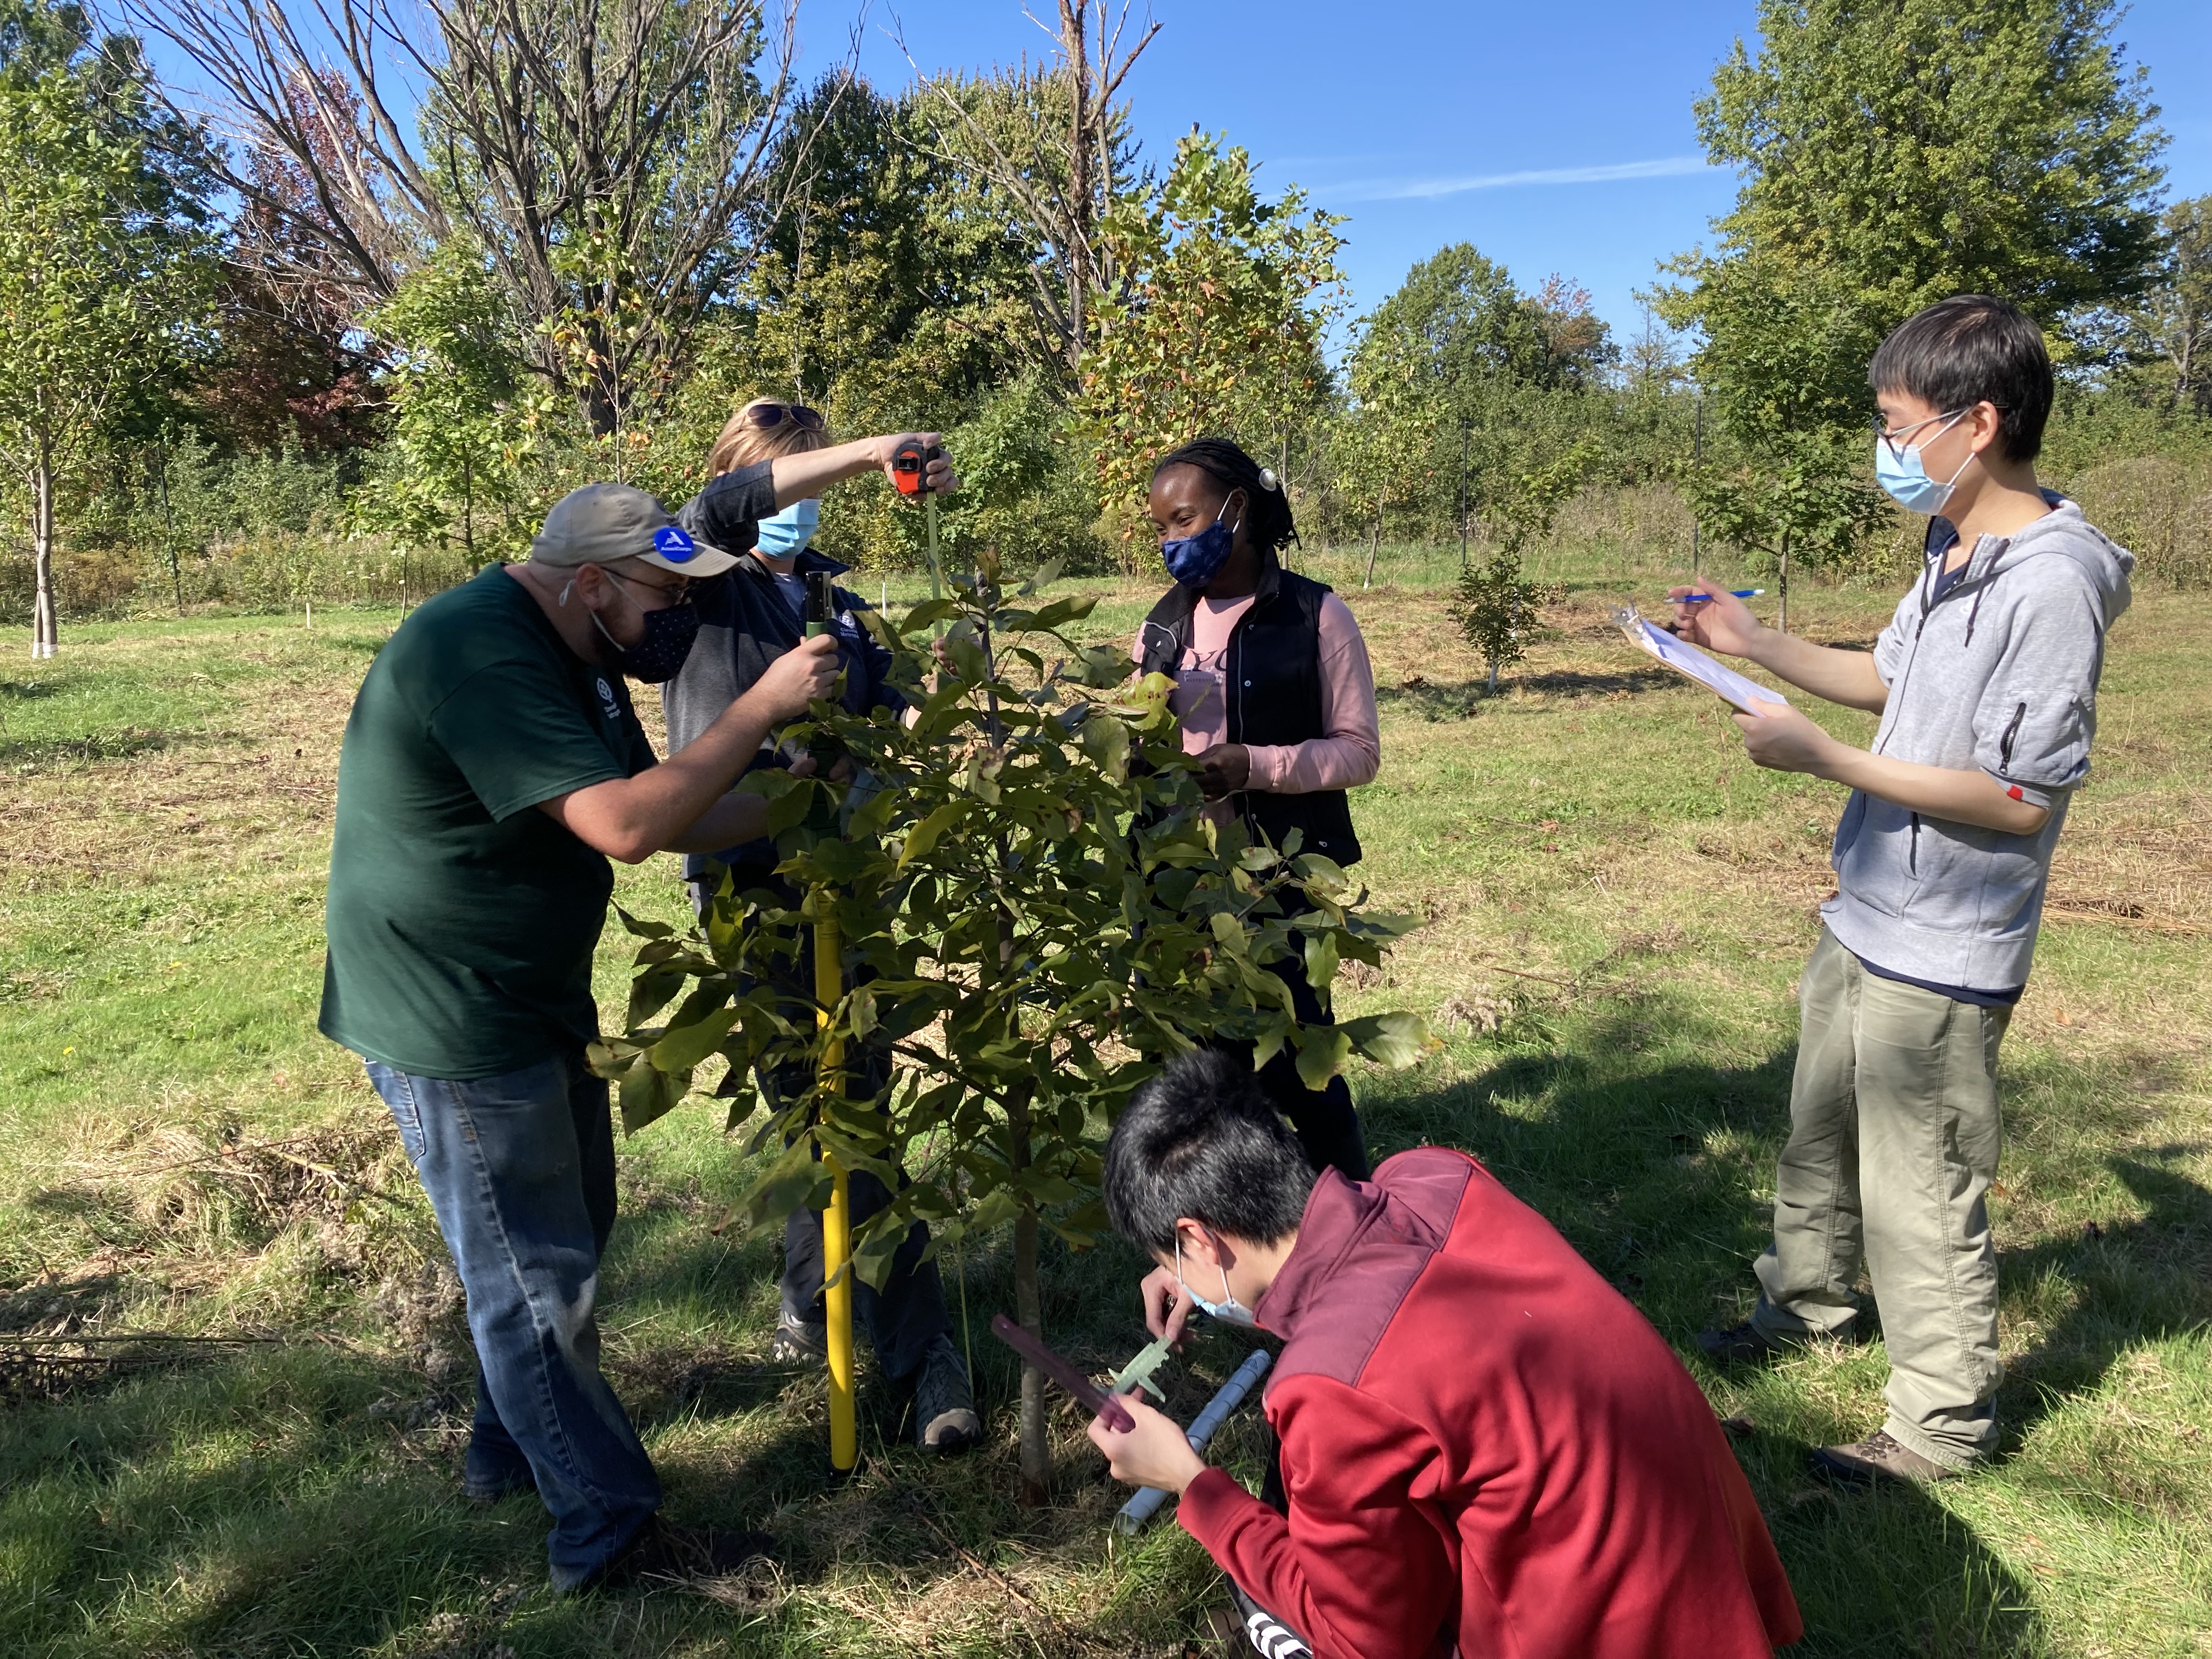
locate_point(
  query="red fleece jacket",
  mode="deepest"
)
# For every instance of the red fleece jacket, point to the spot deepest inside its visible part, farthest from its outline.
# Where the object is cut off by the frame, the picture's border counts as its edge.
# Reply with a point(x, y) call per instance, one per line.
point(1485, 1444)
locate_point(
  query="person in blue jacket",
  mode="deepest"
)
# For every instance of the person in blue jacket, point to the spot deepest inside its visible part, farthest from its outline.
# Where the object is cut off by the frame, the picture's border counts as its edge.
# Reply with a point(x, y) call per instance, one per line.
point(748, 618)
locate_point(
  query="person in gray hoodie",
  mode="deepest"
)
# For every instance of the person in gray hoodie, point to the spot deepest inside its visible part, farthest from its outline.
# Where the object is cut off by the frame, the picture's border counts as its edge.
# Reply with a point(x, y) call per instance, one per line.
point(1986, 682)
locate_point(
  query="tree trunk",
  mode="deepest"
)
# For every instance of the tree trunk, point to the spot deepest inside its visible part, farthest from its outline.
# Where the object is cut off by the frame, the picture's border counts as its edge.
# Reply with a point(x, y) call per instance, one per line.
point(1076, 48)
point(169, 533)
point(1784, 581)
point(46, 635)
point(1029, 1309)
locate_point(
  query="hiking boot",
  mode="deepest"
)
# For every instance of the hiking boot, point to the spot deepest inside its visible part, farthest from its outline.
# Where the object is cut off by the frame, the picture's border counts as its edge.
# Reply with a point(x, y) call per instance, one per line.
point(680, 1555)
point(1742, 1344)
point(944, 1403)
point(799, 1343)
point(1877, 1457)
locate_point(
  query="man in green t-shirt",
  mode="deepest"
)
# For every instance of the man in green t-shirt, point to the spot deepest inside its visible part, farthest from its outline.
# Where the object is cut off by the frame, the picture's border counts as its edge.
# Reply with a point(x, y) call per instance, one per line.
point(492, 766)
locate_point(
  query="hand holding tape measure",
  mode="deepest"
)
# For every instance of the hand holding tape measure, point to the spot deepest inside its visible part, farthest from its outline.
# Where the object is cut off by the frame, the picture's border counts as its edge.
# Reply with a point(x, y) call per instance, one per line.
point(918, 467)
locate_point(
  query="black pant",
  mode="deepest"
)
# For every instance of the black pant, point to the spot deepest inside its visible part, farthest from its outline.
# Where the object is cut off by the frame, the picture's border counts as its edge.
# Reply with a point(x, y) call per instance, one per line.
point(905, 1317)
point(1326, 1121)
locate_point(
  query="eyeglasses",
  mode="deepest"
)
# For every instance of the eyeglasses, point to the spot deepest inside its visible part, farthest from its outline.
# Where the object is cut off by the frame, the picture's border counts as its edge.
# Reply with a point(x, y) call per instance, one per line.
point(676, 592)
point(769, 417)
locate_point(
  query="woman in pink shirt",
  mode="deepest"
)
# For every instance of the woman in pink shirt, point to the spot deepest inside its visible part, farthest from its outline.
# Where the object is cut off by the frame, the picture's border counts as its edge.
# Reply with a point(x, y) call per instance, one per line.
point(1277, 701)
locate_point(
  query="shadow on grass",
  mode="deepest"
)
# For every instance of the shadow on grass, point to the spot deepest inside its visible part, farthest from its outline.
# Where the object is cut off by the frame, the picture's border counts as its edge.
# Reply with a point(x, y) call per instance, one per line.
point(1455, 700)
point(2132, 1282)
point(119, 744)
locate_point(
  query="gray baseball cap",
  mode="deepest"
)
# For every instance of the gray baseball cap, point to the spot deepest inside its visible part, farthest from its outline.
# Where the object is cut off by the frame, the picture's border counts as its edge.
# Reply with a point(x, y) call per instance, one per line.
point(603, 523)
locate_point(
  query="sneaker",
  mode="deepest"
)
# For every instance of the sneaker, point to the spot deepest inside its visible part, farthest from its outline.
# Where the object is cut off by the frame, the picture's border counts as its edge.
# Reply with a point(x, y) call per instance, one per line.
point(1877, 1457)
point(944, 1404)
point(799, 1343)
point(1269, 1635)
point(681, 1555)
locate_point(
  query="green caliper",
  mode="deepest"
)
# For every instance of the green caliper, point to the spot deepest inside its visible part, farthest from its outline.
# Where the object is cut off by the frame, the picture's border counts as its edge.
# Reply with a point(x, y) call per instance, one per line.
point(1138, 1372)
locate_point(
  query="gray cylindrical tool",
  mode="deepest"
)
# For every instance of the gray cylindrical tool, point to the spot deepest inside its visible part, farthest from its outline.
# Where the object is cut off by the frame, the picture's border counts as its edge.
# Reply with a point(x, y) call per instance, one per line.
point(1129, 1520)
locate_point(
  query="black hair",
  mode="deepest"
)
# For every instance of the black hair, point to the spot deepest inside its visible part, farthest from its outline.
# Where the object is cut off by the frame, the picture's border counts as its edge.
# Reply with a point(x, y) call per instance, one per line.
point(1268, 520)
point(1201, 1140)
point(1972, 348)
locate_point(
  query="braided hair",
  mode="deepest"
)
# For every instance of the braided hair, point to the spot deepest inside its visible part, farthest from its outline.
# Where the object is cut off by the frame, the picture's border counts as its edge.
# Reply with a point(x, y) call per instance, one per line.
point(1268, 520)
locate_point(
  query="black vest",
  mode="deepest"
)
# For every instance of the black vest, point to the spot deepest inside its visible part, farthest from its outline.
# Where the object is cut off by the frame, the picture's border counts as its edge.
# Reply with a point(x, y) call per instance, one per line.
point(1272, 675)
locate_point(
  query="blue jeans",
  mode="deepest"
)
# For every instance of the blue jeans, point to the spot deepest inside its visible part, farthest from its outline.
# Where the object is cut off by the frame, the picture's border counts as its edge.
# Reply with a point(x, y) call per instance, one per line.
point(520, 1170)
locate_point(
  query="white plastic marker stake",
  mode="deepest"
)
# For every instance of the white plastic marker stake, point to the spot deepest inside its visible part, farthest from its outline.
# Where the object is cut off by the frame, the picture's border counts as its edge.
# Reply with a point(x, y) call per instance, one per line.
point(1130, 1519)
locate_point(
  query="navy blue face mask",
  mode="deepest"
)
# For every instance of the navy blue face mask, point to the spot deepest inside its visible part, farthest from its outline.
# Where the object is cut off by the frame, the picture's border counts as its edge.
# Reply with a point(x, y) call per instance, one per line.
point(669, 633)
point(1195, 560)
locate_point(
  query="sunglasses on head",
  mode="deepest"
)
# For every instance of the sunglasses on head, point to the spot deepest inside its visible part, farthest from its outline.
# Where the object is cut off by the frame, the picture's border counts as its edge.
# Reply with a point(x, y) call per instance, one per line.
point(771, 416)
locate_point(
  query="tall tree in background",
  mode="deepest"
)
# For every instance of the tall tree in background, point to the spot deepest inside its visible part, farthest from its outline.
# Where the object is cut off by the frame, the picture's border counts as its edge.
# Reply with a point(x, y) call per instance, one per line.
point(1229, 296)
point(601, 153)
point(1892, 154)
point(2172, 328)
point(103, 264)
point(1459, 369)
point(1053, 143)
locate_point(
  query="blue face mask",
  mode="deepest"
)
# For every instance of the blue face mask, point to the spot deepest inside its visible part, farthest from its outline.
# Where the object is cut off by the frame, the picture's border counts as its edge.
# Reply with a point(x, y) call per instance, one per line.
point(1194, 561)
point(1900, 472)
point(789, 531)
point(1229, 1310)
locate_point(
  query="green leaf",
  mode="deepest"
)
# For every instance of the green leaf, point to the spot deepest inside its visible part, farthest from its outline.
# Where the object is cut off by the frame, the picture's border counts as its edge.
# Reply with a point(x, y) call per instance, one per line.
point(790, 1184)
point(1321, 960)
point(1322, 1050)
point(928, 611)
point(1395, 1040)
point(924, 835)
point(642, 929)
point(682, 1049)
point(648, 1093)
point(1105, 739)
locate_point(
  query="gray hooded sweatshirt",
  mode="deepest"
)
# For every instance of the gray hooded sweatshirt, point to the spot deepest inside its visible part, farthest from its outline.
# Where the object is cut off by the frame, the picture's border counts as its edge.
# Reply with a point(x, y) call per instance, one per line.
point(1999, 675)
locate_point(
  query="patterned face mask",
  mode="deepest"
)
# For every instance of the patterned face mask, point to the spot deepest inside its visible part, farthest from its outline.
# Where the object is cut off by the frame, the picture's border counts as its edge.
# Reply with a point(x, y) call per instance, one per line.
point(669, 633)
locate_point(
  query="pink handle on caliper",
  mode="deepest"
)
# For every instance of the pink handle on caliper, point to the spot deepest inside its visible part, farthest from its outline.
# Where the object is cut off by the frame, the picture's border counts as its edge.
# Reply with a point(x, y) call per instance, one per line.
point(1087, 1394)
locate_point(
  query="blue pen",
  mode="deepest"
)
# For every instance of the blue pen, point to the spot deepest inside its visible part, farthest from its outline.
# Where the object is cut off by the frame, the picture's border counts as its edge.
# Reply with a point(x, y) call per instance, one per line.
point(1734, 593)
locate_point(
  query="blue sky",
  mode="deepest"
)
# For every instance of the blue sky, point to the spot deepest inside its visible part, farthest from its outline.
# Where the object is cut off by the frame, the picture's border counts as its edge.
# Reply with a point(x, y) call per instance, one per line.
point(1555, 137)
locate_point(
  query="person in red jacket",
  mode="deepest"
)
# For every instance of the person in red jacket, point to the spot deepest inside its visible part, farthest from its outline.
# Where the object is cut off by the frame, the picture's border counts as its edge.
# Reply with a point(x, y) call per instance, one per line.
point(1484, 1445)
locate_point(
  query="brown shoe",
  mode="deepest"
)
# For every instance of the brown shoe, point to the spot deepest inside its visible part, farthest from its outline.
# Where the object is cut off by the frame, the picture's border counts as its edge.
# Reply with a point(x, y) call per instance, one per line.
point(1877, 1457)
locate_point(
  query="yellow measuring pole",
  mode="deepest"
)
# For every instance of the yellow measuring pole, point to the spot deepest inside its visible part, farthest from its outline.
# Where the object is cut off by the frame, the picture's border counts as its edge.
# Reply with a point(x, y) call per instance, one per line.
point(837, 1220)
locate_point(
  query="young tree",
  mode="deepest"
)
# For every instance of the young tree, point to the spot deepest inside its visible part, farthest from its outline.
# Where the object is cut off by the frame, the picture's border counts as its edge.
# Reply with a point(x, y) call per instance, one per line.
point(103, 258)
point(1496, 608)
point(1028, 927)
point(1228, 298)
point(472, 432)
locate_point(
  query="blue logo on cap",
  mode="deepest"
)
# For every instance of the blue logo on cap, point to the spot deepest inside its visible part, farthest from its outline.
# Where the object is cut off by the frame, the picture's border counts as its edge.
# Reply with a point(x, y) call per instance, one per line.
point(675, 544)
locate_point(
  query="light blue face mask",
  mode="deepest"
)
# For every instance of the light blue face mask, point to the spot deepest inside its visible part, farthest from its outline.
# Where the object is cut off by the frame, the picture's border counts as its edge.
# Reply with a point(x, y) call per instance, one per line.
point(789, 531)
point(1229, 1310)
point(1900, 471)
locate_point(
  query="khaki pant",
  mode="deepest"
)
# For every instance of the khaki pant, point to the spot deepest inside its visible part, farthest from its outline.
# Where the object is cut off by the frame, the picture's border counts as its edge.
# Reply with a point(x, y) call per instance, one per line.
point(1893, 1142)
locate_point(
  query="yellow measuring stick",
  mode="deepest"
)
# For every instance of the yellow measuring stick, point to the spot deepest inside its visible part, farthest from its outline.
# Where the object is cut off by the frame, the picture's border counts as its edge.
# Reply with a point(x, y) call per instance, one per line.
point(837, 1220)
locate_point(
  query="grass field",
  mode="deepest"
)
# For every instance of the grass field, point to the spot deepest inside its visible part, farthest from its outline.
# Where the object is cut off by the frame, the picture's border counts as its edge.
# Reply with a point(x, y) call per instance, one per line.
point(1616, 907)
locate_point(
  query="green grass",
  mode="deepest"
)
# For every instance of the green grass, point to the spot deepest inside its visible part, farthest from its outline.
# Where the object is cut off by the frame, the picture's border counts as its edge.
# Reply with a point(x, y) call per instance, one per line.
point(1616, 908)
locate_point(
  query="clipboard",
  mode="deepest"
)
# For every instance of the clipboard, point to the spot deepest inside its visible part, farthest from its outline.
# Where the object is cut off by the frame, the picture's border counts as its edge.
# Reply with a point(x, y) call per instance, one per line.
point(1694, 664)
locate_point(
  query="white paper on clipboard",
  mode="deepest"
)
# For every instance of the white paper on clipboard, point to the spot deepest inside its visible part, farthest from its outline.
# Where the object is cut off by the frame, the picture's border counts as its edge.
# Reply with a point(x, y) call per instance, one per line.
point(1687, 661)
